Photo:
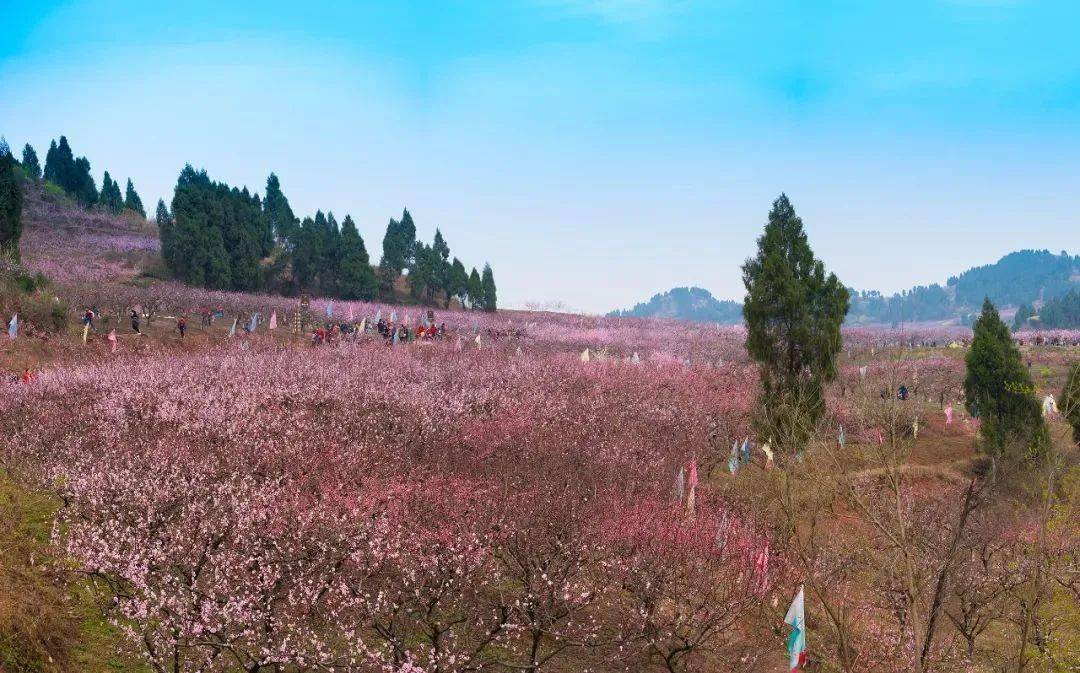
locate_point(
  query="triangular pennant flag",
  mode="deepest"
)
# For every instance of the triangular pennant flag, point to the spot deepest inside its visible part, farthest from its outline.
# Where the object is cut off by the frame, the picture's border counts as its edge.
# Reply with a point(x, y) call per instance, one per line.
point(273, 320)
point(768, 455)
point(232, 330)
point(680, 485)
point(585, 355)
point(363, 324)
point(13, 327)
point(477, 341)
point(330, 310)
point(352, 316)
point(796, 645)
point(254, 322)
point(112, 340)
point(393, 316)
point(948, 415)
point(634, 359)
point(85, 332)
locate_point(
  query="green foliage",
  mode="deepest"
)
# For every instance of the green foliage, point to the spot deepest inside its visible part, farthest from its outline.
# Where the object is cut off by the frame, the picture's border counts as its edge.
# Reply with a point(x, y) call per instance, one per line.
point(793, 314)
point(475, 289)
point(458, 282)
point(30, 163)
point(999, 391)
point(279, 214)
point(132, 200)
point(487, 286)
point(70, 174)
point(355, 277)
point(1062, 312)
point(11, 202)
point(1069, 404)
point(110, 198)
point(217, 236)
point(399, 244)
point(1023, 314)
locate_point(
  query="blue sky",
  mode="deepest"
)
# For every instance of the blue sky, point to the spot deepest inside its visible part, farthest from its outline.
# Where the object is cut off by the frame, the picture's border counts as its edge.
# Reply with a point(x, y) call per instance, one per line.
point(594, 151)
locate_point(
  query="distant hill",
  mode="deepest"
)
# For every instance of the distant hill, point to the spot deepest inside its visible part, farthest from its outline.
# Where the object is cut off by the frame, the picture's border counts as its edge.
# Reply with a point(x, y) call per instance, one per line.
point(1026, 277)
point(686, 303)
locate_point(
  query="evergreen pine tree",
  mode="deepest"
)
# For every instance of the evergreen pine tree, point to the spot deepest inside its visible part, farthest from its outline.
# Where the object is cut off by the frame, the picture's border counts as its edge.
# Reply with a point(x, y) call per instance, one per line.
point(278, 212)
point(1023, 314)
point(396, 254)
point(82, 185)
point(307, 255)
point(475, 290)
point(30, 163)
point(458, 284)
point(132, 200)
point(164, 224)
point(60, 166)
point(52, 164)
point(355, 277)
point(194, 244)
point(998, 390)
point(10, 207)
point(793, 315)
point(407, 236)
point(110, 195)
point(487, 284)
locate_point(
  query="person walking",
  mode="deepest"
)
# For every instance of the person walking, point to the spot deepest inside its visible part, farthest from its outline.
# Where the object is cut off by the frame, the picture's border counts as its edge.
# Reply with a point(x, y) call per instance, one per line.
point(135, 321)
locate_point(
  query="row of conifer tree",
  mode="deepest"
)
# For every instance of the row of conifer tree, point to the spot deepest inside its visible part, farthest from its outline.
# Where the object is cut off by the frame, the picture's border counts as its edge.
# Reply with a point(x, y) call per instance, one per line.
point(225, 238)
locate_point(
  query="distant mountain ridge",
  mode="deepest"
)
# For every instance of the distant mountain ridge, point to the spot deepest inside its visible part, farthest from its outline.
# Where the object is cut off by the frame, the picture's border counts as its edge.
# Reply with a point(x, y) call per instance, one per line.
point(693, 304)
point(1031, 277)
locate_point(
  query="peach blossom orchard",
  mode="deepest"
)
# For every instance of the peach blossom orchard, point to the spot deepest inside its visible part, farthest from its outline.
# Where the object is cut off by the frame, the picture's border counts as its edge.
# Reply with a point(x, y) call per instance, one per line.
point(493, 501)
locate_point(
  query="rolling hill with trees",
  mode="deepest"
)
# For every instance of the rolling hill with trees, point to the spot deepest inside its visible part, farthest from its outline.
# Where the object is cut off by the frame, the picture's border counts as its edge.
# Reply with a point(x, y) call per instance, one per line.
point(1026, 278)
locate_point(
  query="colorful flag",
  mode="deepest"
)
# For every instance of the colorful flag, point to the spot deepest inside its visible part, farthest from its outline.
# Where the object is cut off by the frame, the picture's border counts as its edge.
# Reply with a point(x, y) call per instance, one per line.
point(1049, 405)
point(254, 322)
point(273, 320)
point(352, 316)
point(862, 372)
point(112, 340)
point(733, 459)
point(13, 327)
point(585, 355)
point(768, 455)
point(744, 453)
point(477, 341)
point(634, 359)
point(948, 415)
point(232, 330)
point(330, 309)
point(680, 484)
point(393, 316)
point(796, 619)
point(85, 332)
point(841, 439)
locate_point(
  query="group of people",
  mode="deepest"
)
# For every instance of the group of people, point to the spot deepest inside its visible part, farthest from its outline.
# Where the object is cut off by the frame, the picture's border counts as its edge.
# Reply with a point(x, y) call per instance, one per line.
point(391, 331)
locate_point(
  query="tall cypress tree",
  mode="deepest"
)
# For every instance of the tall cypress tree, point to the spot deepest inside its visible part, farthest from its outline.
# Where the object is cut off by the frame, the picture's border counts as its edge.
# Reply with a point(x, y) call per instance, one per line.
point(487, 284)
point(793, 313)
point(30, 163)
point(475, 290)
point(10, 207)
point(60, 165)
point(458, 284)
point(52, 164)
point(110, 195)
point(393, 257)
point(355, 277)
point(407, 237)
point(132, 200)
point(306, 256)
point(998, 390)
point(279, 214)
point(82, 185)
